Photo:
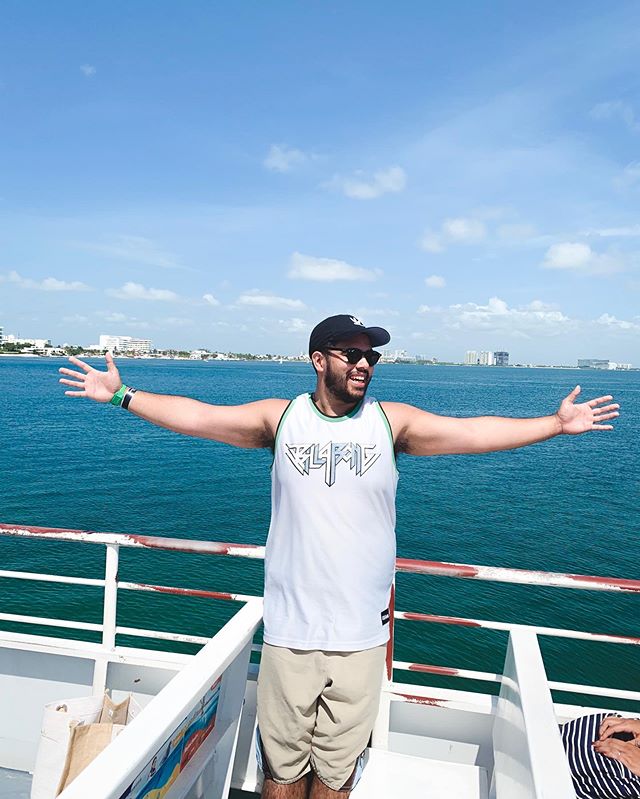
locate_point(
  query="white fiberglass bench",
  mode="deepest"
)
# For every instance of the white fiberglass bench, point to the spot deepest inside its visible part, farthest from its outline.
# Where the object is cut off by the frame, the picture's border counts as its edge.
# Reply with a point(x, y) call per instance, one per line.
point(529, 760)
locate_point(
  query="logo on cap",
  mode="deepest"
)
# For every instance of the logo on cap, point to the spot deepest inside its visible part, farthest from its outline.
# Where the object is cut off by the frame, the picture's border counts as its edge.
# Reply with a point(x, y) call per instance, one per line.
point(356, 321)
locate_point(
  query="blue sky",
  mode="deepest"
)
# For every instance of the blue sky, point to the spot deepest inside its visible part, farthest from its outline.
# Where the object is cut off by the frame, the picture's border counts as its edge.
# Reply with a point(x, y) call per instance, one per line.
point(225, 175)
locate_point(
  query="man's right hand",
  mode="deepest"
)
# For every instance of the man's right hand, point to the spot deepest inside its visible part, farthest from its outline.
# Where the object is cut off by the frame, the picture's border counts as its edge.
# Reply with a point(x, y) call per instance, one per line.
point(91, 383)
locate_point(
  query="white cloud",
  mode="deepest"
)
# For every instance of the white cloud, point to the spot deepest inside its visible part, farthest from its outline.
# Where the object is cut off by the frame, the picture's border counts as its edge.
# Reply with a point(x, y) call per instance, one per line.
point(295, 325)
point(76, 319)
point(466, 231)
point(435, 282)
point(133, 248)
point(210, 299)
point(629, 176)
point(136, 291)
point(432, 242)
point(48, 284)
point(53, 284)
point(326, 270)
point(256, 297)
point(138, 324)
point(457, 230)
point(579, 257)
point(615, 232)
point(538, 305)
point(496, 316)
point(176, 321)
point(122, 320)
point(379, 313)
point(424, 309)
point(283, 159)
point(568, 255)
point(361, 187)
point(88, 70)
point(113, 317)
point(618, 324)
point(617, 109)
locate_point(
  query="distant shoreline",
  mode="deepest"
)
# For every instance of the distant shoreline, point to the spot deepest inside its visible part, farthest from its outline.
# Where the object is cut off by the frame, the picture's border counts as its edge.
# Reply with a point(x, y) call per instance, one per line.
point(566, 368)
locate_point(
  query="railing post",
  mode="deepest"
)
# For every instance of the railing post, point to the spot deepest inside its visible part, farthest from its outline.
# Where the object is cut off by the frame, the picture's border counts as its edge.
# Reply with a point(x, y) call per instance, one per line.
point(108, 618)
point(380, 735)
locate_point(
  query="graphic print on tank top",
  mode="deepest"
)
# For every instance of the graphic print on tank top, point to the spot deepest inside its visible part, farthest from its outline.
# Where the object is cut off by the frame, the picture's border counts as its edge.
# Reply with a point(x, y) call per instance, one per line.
point(360, 458)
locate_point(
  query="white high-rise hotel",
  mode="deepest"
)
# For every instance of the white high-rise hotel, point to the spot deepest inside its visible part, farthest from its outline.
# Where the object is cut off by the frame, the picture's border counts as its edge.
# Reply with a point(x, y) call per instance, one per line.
point(486, 358)
point(124, 344)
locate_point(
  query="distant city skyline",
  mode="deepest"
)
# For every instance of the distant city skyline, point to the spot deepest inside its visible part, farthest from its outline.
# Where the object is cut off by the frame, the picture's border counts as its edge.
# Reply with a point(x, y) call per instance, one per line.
point(465, 175)
point(115, 343)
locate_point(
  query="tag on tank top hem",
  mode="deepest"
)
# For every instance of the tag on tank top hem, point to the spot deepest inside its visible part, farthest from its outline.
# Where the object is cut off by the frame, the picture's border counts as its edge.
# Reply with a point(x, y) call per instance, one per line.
point(384, 616)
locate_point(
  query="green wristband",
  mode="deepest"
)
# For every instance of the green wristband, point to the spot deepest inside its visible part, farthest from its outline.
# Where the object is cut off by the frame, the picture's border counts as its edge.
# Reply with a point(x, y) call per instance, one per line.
point(119, 395)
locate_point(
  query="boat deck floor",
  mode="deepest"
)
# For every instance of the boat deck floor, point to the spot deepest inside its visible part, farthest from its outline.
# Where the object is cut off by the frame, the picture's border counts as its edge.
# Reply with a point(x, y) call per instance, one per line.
point(14, 784)
point(17, 785)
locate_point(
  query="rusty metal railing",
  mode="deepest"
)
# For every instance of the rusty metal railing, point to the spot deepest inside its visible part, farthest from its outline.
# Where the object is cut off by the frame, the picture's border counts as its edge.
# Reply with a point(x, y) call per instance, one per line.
point(110, 629)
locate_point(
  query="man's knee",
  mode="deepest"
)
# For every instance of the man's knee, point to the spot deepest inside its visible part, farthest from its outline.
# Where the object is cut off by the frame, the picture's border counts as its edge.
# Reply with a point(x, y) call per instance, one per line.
point(291, 790)
point(321, 791)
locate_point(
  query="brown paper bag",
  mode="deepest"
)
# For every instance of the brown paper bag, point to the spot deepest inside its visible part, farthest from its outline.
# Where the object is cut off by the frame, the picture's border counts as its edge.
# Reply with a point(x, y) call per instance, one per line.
point(86, 741)
point(113, 713)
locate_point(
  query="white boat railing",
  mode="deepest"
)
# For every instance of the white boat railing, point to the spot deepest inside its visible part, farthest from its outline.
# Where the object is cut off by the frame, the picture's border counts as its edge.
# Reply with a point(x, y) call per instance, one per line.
point(189, 729)
point(529, 759)
point(110, 629)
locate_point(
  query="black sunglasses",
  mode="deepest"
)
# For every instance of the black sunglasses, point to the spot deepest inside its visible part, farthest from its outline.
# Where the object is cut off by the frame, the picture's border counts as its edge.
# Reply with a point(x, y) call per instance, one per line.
point(355, 354)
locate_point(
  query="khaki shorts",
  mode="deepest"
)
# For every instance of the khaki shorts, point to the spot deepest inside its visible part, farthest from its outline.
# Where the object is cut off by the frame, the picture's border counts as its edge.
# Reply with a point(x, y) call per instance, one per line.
point(316, 710)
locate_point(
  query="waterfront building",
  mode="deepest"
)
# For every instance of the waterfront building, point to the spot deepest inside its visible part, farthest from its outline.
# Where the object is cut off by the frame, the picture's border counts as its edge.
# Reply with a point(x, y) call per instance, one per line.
point(486, 358)
point(601, 363)
point(36, 344)
point(470, 358)
point(593, 363)
point(1, 335)
point(398, 356)
point(124, 344)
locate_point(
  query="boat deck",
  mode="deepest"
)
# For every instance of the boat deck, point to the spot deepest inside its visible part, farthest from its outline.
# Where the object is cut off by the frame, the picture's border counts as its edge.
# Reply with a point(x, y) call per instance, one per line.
point(14, 784)
point(198, 717)
point(17, 785)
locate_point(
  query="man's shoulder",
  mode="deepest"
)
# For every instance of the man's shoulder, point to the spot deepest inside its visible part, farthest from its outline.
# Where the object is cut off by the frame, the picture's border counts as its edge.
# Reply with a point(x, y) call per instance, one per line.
point(402, 419)
point(272, 411)
point(397, 410)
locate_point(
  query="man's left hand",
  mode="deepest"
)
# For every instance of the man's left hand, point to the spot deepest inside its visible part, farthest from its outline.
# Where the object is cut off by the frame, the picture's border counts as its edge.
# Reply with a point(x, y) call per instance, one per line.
point(581, 417)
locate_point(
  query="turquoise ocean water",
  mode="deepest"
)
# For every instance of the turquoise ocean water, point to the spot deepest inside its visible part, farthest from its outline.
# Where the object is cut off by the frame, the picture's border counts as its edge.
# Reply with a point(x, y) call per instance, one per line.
point(569, 504)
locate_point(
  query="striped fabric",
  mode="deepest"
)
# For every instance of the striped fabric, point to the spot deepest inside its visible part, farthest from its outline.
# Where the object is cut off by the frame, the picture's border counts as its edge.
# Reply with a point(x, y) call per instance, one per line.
point(595, 776)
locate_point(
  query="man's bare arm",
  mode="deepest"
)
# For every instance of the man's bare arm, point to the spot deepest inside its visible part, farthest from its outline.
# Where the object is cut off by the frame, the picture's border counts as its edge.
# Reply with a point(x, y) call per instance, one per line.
point(250, 425)
point(418, 432)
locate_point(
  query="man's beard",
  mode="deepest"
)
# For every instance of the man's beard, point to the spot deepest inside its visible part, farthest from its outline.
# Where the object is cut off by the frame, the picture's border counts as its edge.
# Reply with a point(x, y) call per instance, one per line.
point(337, 384)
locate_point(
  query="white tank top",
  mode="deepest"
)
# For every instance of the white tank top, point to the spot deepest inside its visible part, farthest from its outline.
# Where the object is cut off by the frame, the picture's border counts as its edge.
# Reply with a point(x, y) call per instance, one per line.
point(330, 555)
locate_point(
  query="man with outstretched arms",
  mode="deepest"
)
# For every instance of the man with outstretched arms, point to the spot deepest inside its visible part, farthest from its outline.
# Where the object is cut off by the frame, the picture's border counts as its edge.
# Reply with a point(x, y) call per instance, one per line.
point(330, 552)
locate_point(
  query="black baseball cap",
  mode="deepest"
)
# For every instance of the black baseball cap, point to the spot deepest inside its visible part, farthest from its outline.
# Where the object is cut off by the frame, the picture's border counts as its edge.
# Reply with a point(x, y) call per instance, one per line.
point(344, 326)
